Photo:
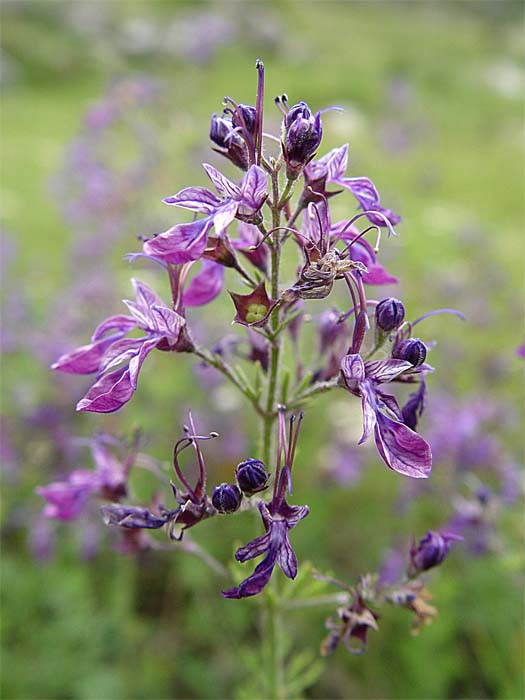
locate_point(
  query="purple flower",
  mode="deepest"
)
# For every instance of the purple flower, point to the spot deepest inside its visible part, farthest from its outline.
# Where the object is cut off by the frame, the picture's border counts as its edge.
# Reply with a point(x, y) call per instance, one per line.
point(118, 360)
point(278, 519)
point(185, 242)
point(401, 448)
point(431, 550)
point(332, 168)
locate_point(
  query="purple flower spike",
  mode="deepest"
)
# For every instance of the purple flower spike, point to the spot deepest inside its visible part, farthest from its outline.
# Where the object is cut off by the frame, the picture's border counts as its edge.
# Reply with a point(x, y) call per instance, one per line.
point(118, 360)
point(278, 519)
point(402, 449)
point(432, 549)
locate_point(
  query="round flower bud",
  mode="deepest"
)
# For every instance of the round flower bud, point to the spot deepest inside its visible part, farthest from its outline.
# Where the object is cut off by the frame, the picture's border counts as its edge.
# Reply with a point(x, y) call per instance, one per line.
point(390, 314)
point(412, 350)
point(226, 498)
point(252, 477)
point(430, 551)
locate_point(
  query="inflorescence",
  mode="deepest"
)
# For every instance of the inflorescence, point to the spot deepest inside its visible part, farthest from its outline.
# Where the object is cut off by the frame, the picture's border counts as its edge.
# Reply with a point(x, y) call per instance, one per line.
point(280, 206)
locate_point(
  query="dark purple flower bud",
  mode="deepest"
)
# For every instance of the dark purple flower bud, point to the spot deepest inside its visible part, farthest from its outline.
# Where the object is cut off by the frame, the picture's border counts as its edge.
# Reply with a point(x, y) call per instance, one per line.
point(411, 350)
point(303, 133)
point(244, 116)
point(390, 314)
point(226, 498)
point(252, 477)
point(431, 551)
point(230, 141)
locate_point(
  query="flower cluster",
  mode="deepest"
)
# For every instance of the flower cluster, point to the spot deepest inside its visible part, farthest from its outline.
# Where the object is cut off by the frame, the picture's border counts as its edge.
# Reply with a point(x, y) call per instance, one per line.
point(246, 226)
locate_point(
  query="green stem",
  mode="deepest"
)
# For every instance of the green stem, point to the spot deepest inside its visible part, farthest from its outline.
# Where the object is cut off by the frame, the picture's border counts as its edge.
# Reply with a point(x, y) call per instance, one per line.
point(318, 388)
point(223, 367)
point(275, 351)
point(274, 637)
point(287, 193)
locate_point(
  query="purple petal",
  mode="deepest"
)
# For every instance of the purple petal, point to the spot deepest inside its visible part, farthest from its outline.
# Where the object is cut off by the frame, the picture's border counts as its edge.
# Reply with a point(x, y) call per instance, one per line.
point(336, 162)
point(402, 449)
point(377, 275)
point(255, 583)
point(385, 370)
point(196, 199)
point(363, 190)
point(287, 558)
point(121, 323)
point(225, 187)
point(180, 244)
point(135, 363)
point(86, 359)
point(391, 404)
point(144, 295)
point(253, 549)
point(205, 286)
point(292, 514)
point(254, 191)
point(109, 393)
point(353, 369)
point(119, 352)
point(224, 215)
point(368, 405)
point(166, 322)
point(367, 195)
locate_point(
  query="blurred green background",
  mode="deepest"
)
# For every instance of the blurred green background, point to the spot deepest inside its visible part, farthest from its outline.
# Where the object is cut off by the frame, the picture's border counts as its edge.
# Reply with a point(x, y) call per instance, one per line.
point(433, 98)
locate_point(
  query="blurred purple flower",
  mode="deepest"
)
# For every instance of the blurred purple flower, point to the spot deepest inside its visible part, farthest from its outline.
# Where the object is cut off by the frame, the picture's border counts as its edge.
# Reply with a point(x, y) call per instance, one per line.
point(431, 550)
